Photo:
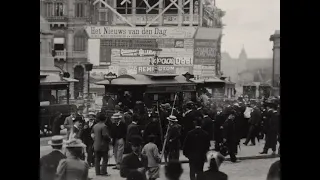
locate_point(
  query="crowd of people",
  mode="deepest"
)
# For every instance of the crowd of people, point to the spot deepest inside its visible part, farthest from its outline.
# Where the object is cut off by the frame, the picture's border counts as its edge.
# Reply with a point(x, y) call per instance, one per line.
point(140, 137)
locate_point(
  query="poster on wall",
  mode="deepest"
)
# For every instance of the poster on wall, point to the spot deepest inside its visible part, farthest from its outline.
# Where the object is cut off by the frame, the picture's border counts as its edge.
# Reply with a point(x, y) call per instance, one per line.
point(205, 51)
point(98, 74)
point(129, 43)
point(140, 32)
point(130, 70)
point(204, 71)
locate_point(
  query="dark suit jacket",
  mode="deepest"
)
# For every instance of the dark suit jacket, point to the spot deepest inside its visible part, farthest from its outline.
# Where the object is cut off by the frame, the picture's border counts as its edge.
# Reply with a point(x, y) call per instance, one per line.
point(101, 137)
point(196, 145)
point(131, 163)
point(255, 117)
point(49, 164)
point(86, 134)
point(207, 126)
point(210, 174)
point(133, 129)
point(188, 119)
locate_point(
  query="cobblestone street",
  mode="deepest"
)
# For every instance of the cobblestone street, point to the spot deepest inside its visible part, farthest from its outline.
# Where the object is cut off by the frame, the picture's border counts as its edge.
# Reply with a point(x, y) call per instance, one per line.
point(244, 170)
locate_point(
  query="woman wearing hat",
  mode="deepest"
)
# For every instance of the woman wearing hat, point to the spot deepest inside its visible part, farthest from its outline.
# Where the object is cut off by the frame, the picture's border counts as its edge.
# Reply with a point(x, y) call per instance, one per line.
point(73, 167)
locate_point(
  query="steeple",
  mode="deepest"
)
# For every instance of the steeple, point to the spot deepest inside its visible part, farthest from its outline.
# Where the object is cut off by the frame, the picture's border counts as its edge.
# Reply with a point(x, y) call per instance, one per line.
point(243, 54)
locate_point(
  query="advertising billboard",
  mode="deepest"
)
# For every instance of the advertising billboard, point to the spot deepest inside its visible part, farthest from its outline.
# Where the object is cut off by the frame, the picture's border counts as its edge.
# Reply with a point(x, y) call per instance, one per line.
point(205, 52)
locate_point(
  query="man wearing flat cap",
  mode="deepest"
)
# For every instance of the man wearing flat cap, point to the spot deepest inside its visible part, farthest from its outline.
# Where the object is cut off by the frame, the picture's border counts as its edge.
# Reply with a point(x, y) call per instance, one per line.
point(134, 161)
point(50, 162)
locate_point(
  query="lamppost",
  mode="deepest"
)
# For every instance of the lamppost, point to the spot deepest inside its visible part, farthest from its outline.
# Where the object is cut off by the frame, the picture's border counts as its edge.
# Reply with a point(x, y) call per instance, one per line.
point(88, 67)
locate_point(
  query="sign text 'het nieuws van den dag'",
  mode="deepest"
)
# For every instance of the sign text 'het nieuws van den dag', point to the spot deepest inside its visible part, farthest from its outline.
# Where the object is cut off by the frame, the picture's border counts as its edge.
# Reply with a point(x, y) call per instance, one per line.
point(140, 32)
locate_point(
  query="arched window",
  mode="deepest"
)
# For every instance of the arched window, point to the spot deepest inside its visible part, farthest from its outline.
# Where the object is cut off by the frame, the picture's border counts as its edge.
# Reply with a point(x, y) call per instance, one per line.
point(79, 41)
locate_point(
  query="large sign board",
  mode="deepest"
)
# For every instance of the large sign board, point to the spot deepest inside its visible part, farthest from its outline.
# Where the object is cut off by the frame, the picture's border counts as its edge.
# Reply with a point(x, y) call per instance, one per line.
point(205, 52)
point(129, 43)
point(106, 32)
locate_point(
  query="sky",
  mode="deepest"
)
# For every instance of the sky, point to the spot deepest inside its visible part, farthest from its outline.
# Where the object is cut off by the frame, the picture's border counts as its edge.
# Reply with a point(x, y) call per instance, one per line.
point(249, 23)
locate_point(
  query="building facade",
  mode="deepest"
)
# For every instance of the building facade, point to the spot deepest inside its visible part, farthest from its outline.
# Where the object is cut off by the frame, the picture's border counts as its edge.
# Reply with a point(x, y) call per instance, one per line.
point(141, 37)
point(66, 19)
point(245, 69)
point(73, 46)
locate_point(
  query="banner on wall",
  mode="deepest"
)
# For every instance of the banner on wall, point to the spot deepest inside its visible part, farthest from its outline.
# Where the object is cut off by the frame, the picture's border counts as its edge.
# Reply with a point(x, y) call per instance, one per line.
point(140, 32)
point(99, 73)
point(205, 51)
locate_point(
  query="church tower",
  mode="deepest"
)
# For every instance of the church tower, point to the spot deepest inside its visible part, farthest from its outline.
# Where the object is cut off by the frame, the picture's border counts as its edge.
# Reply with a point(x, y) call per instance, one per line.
point(242, 59)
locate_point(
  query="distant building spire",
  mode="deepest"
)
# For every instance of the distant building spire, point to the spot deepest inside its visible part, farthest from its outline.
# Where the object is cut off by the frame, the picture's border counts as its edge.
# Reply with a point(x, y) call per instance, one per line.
point(243, 54)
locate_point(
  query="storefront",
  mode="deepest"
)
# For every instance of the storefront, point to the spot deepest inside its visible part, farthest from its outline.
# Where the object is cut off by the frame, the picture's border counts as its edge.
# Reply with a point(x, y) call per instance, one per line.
point(151, 87)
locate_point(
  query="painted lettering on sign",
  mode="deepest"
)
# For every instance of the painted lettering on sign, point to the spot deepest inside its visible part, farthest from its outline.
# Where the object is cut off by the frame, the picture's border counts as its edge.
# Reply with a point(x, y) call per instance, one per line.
point(129, 43)
point(171, 61)
point(150, 69)
point(140, 32)
point(136, 52)
point(204, 52)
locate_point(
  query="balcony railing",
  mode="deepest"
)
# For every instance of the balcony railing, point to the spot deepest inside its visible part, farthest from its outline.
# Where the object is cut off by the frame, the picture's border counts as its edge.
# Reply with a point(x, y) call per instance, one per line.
point(61, 54)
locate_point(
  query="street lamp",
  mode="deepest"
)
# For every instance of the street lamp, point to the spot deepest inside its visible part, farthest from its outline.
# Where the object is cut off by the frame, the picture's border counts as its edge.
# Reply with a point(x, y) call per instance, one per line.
point(88, 67)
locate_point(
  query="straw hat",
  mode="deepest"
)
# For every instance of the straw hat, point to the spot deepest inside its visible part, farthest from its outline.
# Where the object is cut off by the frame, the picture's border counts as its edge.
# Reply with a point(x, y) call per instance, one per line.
point(56, 141)
point(172, 118)
point(116, 116)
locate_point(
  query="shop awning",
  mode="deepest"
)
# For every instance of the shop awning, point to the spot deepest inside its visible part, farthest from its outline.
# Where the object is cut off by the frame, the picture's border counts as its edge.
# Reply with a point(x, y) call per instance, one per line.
point(54, 79)
point(139, 79)
point(210, 80)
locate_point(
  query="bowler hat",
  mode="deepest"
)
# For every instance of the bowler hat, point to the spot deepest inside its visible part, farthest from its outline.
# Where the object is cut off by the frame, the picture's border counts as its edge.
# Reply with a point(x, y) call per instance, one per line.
point(136, 140)
point(117, 107)
point(75, 143)
point(167, 106)
point(56, 141)
point(172, 118)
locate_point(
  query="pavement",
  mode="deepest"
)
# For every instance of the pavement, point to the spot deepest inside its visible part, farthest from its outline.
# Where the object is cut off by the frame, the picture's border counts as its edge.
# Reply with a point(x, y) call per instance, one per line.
point(244, 170)
point(252, 165)
point(244, 153)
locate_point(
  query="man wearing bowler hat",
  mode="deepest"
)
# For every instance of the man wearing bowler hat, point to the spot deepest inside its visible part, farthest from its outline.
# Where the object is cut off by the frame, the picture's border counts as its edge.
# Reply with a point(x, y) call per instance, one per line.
point(50, 162)
point(134, 161)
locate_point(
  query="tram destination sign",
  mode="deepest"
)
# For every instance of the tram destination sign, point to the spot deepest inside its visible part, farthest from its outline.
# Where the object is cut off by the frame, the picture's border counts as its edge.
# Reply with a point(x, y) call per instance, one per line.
point(110, 76)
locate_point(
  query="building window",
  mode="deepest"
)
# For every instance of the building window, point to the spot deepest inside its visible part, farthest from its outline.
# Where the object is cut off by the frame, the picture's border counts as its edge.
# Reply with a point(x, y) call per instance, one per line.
point(124, 8)
point(80, 9)
point(54, 9)
point(79, 42)
point(103, 20)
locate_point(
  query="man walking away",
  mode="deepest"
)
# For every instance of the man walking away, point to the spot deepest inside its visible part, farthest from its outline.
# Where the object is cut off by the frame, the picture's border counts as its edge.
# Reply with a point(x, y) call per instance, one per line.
point(101, 142)
point(272, 131)
point(50, 162)
point(230, 136)
point(254, 122)
point(219, 120)
point(207, 124)
point(151, 151)
point(195, 147)
point(118, 134)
